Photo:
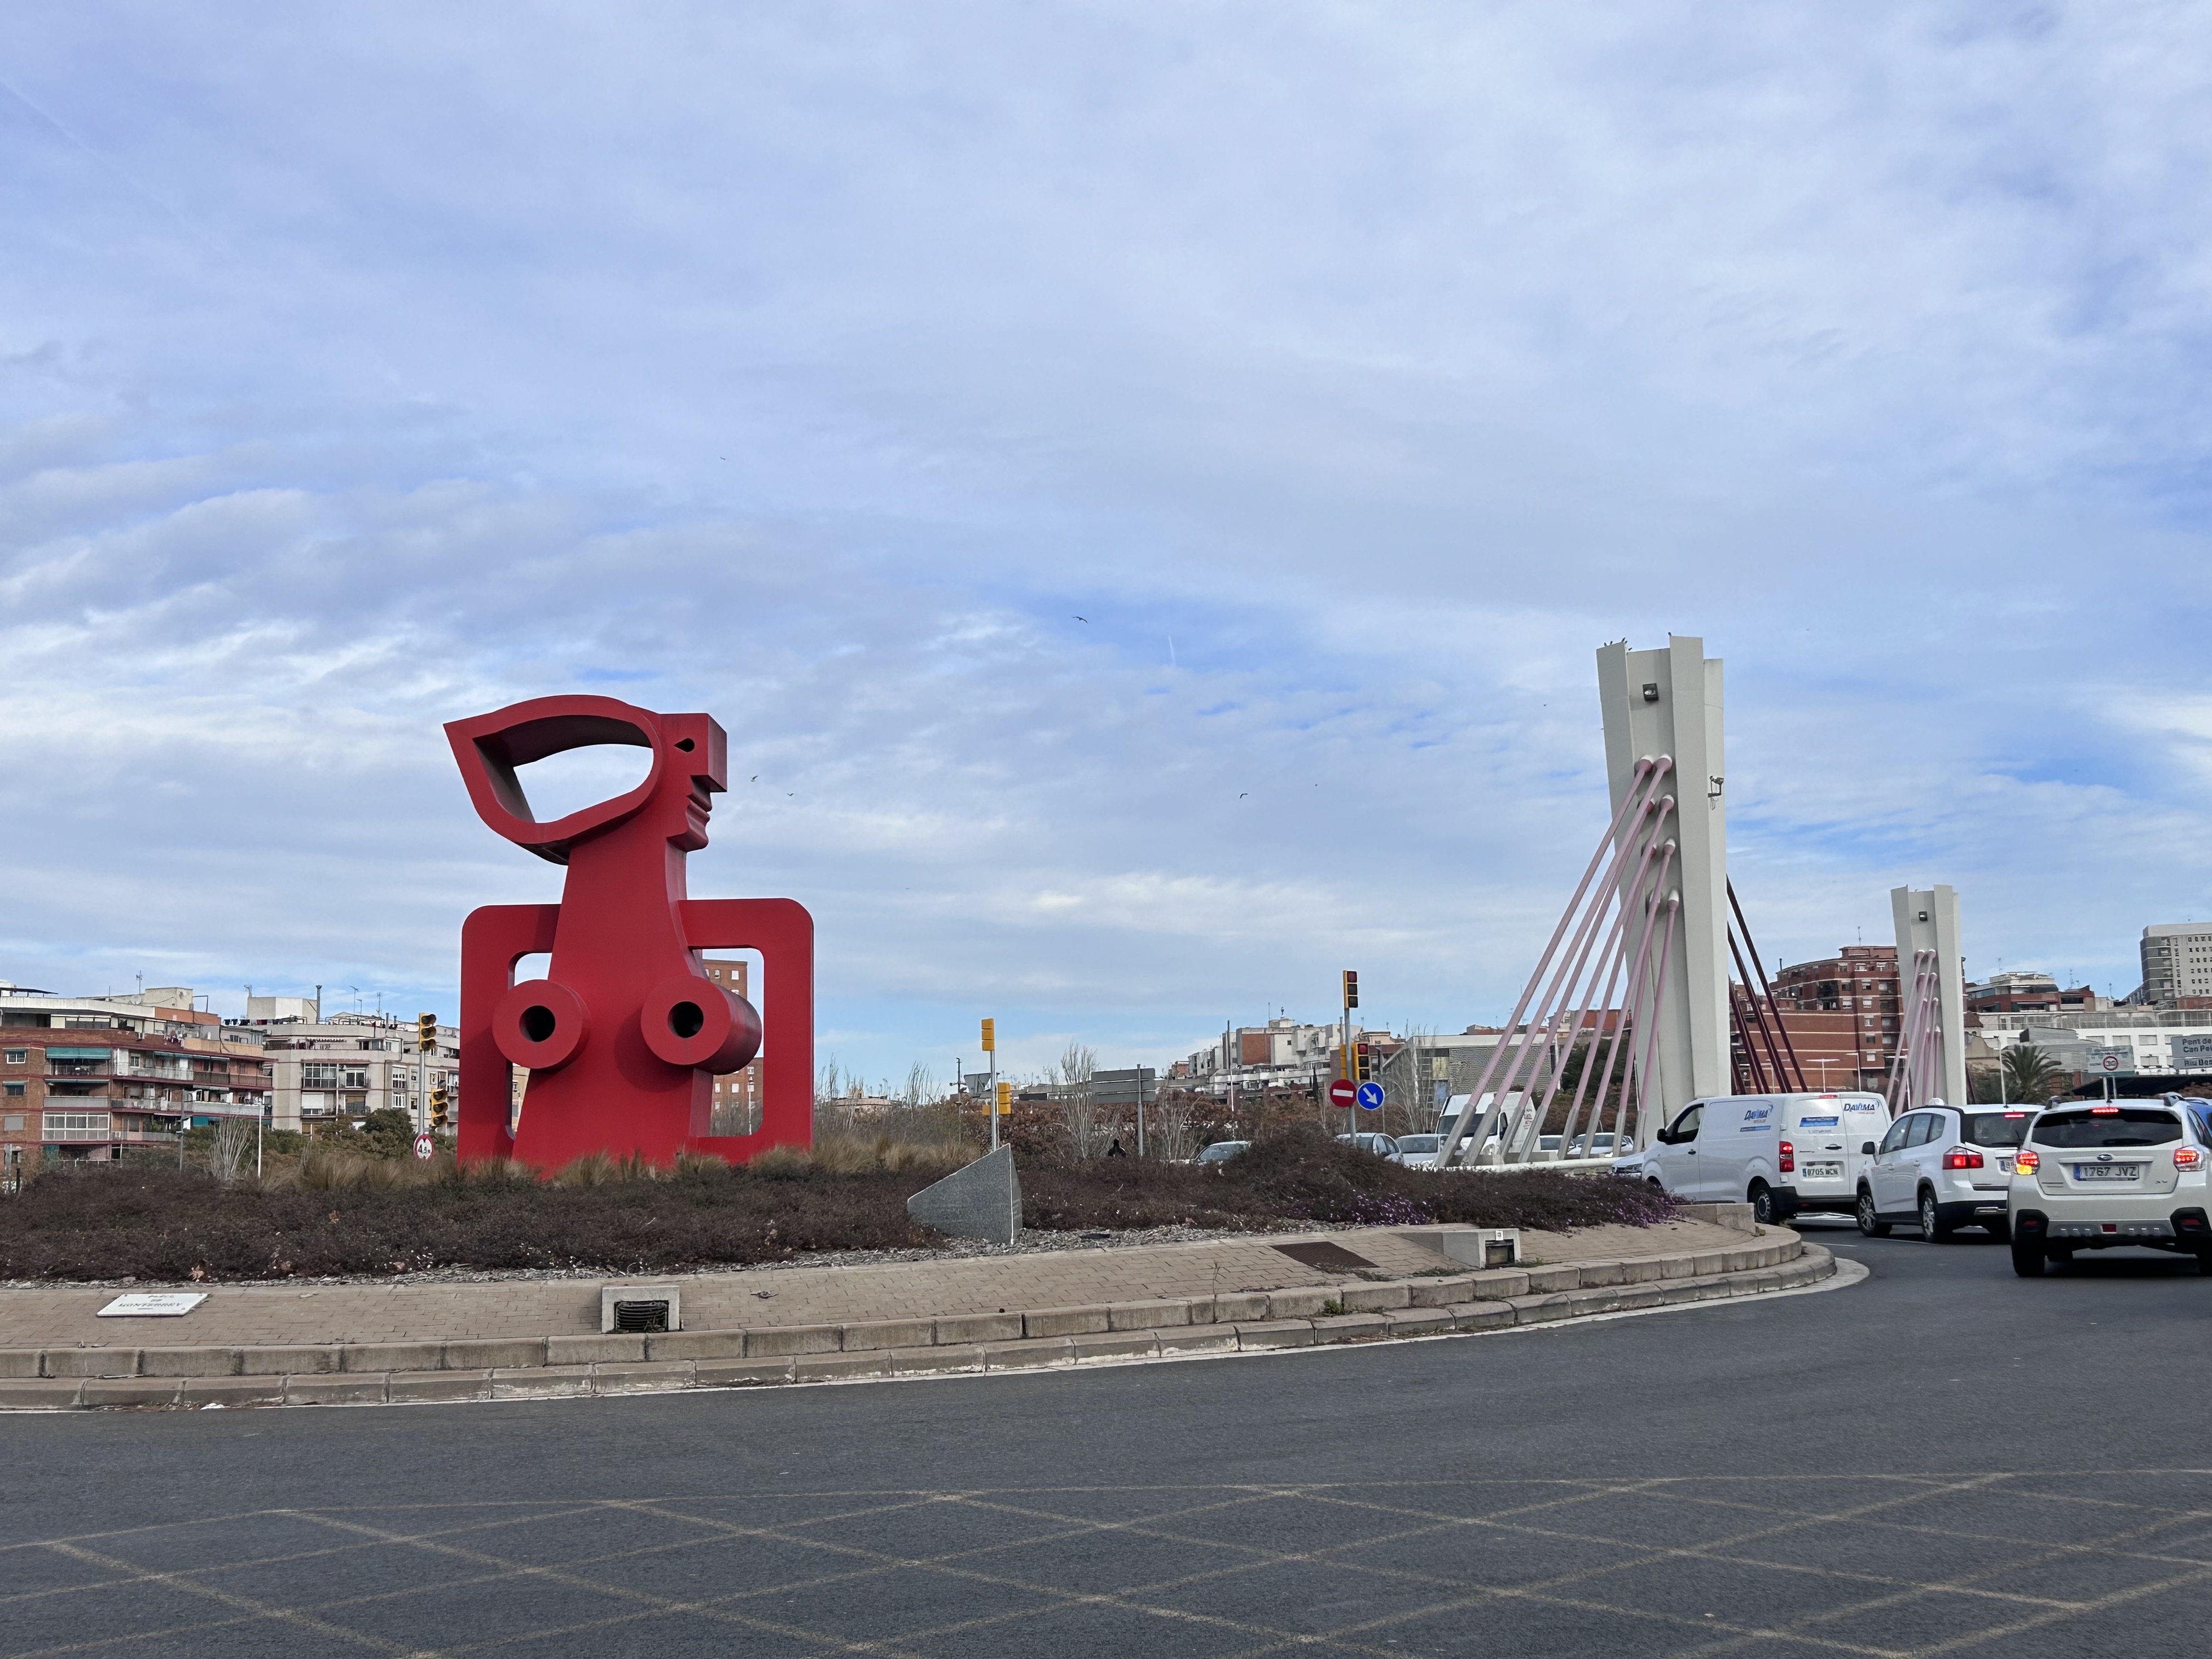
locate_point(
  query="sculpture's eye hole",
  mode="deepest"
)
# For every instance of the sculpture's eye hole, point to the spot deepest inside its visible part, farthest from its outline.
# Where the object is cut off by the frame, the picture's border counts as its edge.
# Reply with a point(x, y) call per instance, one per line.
point(685, 745)
point(537, 1022)
point(582, 777)
point(686, 1018)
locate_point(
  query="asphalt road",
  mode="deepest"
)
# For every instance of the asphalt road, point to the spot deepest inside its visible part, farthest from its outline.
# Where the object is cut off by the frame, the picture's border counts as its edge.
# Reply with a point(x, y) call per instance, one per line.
point(1942, 1460)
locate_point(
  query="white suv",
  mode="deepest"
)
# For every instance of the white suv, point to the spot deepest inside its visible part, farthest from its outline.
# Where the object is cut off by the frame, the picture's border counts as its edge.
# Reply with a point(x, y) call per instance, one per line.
point(1942, 1167)
point(2096, 1173)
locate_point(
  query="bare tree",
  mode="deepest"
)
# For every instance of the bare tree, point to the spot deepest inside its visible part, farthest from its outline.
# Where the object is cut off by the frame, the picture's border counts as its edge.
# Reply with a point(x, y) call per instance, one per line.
point(1079, 1102)
point(1408, 1088)
point(1174, 1129)
point(230, 1148)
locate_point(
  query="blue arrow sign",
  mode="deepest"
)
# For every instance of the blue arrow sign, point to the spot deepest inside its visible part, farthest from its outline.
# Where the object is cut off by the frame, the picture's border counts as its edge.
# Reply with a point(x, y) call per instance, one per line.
point(1370, 1097)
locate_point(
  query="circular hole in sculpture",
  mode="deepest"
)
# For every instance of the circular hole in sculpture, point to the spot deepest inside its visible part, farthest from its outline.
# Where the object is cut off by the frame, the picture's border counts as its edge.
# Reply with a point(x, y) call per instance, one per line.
point(537, 1022)
point(686, 1019)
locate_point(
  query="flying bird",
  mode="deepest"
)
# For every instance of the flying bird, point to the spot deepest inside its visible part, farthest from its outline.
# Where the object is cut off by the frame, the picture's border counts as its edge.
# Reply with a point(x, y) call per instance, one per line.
point(1083, 619)
point(1246, 793)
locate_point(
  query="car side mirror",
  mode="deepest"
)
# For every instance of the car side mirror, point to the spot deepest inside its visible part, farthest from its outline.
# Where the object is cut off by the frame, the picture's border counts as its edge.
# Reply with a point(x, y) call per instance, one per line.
point(1866, 1149)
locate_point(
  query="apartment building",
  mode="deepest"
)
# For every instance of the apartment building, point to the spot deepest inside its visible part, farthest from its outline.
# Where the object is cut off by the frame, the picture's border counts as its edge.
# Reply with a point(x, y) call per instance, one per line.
point(348, 1066)
point(89, 1078)
point(737, 1094)
point(2176, 962)
point(1842, 1015)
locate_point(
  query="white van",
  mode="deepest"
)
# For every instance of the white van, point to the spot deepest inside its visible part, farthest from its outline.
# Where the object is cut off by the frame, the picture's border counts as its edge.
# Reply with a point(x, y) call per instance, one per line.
point(1779, 1153)
point(1514, 1113)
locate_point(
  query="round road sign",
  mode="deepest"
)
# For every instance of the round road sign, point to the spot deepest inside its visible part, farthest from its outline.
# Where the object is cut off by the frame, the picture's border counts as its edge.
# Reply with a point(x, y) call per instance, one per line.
point(1370, 1097)
point(1343, 1092)
point(2108, 1062)
point(425, 1147)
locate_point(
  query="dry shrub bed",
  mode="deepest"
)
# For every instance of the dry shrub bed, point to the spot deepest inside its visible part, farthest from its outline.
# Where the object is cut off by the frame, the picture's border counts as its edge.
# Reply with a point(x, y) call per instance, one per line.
point(350, 1215)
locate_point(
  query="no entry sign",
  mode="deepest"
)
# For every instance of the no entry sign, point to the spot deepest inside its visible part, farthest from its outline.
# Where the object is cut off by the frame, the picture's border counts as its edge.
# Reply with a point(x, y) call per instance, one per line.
point(1343, 1092)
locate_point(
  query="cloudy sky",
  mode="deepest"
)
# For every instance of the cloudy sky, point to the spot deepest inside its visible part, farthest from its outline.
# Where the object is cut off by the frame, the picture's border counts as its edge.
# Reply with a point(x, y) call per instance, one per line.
point(1141, 485)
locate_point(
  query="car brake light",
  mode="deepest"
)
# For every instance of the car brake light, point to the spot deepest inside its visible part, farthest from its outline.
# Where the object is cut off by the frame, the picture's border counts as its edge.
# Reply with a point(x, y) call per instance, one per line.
point(2187, 1158)
point(1788, 1165)
point(2104, 1111)
point(2026, 1162)
point(2014, 1115)
point(1961, 1158)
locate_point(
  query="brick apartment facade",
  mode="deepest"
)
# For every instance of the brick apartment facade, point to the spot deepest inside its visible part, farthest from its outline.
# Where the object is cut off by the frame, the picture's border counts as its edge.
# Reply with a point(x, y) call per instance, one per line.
point(737, 1095)
point(88, 1078)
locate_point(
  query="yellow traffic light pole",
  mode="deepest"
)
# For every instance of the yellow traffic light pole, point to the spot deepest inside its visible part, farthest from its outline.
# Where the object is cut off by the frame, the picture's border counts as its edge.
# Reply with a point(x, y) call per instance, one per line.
point(991, 1059)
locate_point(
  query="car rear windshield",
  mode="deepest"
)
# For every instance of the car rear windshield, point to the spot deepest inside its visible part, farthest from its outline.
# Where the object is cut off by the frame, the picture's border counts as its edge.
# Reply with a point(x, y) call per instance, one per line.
point(1416, 1143)
point(2127, 1126)
point(1997, 1128)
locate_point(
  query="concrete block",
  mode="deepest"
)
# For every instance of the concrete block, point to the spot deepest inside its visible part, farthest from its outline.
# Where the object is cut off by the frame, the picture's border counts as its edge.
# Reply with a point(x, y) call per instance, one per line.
point(631, 1308)
point(1589, 1273)
point(188, 1362)
point(1703, 1265)
point(1498, 1283)
point(875, 1333)
point(1475, 1246)
point(541, 1382)
point(1343, 1328)
point(92, 1362)
point(1240, 1308)
point(1417, 1321)
point(1480, 1316)
point(1023, 1356)
point(921, 1361)
point(1439, 1292)
point(1737, 1216)
point(25, 1394)
point(1374, 1298)
point(703, 1345)
point(19, 1362)
point(302, 1360)
point(980, 1327)
point(380, 1356)
point(1063, 1321)
point(1147, 1315)
point(1197, 1339)
point(789, 1339)
point(831, 1367)
point(129, 1390)
point(1641, 1273)
point(355, 1388)
point(1538, 1309)
point(983, 1201)
point(1114, 1345)
point(740, 1373)
point(232, 1391)
point(592, 1350)
point(1543, 1281)
point(642, 1376)
point(1276, 1333)
point(1298, 1304)
point(486, 1354)
point(440, 1385)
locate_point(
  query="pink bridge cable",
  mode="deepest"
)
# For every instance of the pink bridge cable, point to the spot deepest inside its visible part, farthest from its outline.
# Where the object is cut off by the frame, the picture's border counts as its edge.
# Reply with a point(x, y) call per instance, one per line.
point(1634, 805)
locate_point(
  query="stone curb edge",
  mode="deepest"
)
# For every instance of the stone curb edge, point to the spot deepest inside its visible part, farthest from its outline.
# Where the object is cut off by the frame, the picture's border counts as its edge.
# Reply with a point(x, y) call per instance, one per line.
point(1795, 1268)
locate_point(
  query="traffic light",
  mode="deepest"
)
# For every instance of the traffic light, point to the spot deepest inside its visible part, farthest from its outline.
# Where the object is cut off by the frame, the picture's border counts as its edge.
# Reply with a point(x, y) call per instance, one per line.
point(1366, 1069)
point(438, 1107)
point(426, 1032)
point(1351, 989)
point(1006, 1099)
point(990, 1036)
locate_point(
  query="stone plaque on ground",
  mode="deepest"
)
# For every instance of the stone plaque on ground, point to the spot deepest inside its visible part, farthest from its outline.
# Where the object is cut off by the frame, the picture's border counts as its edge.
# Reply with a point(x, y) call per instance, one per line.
point(983, 1201)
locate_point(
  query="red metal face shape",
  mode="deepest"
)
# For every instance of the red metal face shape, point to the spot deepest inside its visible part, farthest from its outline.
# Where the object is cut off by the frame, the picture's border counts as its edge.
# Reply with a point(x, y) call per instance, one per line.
point(624, 1037)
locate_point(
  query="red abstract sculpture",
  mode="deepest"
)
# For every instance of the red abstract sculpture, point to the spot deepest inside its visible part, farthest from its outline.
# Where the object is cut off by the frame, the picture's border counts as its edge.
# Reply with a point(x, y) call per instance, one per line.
point(624, 1037)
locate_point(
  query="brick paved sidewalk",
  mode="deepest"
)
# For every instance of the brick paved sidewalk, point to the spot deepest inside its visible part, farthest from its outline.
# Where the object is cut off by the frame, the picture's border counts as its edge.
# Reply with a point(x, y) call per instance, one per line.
point(401, 1311)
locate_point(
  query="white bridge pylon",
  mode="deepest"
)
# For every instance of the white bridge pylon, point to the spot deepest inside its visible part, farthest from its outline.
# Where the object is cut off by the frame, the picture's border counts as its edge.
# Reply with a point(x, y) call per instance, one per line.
point(1648, 925)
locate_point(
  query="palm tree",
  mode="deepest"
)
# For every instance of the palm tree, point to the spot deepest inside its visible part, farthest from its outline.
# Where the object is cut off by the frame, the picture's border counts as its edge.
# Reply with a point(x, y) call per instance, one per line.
point(2030, 1074)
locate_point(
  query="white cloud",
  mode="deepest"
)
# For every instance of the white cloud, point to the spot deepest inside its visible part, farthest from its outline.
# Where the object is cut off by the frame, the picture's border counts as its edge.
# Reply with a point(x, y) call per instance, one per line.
point(824, 365)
